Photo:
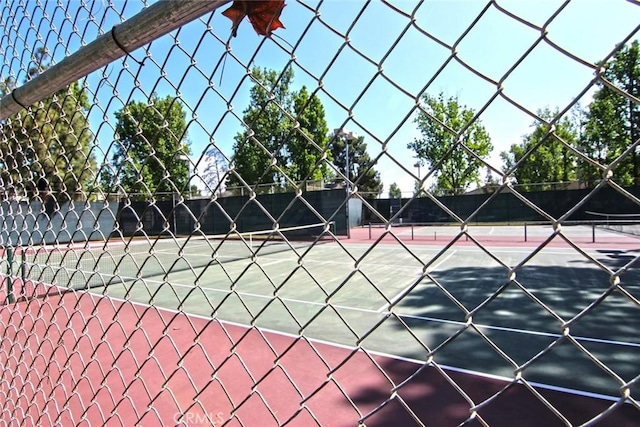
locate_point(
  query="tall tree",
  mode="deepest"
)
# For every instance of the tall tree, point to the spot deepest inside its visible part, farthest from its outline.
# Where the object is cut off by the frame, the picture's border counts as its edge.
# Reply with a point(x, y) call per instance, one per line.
point(306, 146)
point(151, 149)
point(286, 137)
point(45, 150)
point(361, 167)
point(544, 156)
point(394, 191)
point(417, 189)
point(441, 124)
point(613, 119)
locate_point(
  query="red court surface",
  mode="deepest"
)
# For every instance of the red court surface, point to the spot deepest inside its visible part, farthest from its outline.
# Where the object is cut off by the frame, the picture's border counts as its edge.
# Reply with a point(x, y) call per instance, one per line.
point(81, 359)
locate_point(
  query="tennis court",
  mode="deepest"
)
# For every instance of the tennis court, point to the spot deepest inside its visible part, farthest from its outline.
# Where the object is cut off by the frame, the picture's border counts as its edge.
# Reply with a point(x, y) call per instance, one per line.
point(488, 310)
point(236, 213)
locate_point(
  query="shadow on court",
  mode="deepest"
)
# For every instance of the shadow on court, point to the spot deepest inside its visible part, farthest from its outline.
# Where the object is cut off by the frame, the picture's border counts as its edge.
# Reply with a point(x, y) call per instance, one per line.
point(518, 325)
point(434, 400)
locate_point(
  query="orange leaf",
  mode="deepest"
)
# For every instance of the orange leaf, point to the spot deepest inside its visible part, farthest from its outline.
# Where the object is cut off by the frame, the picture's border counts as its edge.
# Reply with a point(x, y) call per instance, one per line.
point(264, 15)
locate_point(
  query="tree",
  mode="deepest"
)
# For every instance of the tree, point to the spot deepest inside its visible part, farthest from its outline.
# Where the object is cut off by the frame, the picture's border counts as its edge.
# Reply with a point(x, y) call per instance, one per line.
point(613, 119)
point(307, 145)
point(45, 150)
point(151, 149)
point(394, 191)
point(7, 85)
point(545, 159)
point(418, 189)
point(446, 125)
point(361, 170)
point(286, 138)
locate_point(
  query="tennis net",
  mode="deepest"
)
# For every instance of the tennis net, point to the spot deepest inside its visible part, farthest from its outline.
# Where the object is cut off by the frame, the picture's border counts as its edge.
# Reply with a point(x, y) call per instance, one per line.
point(35, 271)
point(628, 223)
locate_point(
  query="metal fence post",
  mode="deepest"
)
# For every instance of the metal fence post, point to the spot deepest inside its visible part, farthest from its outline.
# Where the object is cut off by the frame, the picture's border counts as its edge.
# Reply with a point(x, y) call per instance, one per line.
point(10, 297)
point(173, 213)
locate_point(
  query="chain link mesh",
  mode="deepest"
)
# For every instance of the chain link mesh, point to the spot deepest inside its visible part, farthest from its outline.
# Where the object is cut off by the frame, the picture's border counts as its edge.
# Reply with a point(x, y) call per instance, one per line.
point(151, 277)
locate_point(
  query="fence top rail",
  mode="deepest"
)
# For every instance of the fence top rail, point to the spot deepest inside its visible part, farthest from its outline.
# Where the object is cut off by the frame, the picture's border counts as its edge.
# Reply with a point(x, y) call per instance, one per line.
point(151, 23)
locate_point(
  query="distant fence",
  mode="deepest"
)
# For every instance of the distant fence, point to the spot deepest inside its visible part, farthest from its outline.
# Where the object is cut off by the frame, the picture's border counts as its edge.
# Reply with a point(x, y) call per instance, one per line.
point(31, 223)
point(504, 207)
point(215, 216)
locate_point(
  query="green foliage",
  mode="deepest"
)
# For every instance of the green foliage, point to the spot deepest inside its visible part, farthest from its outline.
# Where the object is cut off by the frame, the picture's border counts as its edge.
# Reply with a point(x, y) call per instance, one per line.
point(150, 150)
point(6, 86)
point(286, 136)
point(46, 149)
point(446, 126)
point(307, 145)
point(613, 120)
point(417, 189)
point(543, 157)
point(394, 191)
point(361, 170)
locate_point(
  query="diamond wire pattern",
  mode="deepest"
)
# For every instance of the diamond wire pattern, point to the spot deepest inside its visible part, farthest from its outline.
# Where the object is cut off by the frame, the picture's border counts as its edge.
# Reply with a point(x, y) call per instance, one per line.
point(70, 394)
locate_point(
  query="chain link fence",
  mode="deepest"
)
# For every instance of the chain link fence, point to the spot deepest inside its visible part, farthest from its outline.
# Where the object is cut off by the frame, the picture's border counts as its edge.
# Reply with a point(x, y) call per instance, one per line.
point(181, 195)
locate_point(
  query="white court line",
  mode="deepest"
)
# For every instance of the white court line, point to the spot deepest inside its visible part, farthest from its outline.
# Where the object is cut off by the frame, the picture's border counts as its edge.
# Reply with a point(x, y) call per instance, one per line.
point(493, 249)
point(575, 392)
point(522, 331)
point(277, 258)
point(345, 307)
point(249, 294)
point(401, 294)
point(422, 318)
point(417, 251)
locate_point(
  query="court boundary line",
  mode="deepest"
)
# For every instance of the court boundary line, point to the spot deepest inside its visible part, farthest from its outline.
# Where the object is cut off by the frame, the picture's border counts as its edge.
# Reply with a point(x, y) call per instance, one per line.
point(523, 331)
point(360, 309)
point(550, 387)
point(493, 249)
point(351, 308)
point(382, 311)
point(566, 390)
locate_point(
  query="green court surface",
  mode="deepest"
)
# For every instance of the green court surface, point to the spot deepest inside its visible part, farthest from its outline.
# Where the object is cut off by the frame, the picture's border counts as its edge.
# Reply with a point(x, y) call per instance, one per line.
point(490, 310)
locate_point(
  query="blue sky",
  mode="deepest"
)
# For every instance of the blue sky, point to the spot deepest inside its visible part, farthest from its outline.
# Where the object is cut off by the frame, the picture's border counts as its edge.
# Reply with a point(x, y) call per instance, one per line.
point(382, 46)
